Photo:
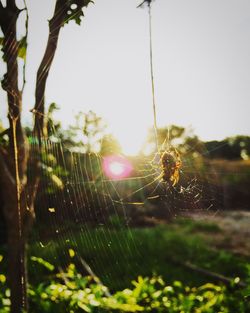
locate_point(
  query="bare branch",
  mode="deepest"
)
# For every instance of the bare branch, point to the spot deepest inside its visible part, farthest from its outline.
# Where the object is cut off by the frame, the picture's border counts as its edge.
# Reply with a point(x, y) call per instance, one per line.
point(1, 9)
point(213, 275)
point(55, 25)
point(26, 37)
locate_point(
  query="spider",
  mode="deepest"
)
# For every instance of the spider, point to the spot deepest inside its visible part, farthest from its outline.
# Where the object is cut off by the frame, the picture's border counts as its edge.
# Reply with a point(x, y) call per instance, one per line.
point(170, 166)
point(169, 163)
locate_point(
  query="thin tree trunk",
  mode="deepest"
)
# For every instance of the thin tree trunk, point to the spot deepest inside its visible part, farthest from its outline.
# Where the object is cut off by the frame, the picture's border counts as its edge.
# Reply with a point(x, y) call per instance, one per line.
point(18, 209)
point(14, 164)
point(17, 193)
point(17, 273)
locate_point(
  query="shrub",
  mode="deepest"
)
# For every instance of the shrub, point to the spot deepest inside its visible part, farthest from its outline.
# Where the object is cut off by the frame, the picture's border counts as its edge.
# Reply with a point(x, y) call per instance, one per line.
point(69, 291)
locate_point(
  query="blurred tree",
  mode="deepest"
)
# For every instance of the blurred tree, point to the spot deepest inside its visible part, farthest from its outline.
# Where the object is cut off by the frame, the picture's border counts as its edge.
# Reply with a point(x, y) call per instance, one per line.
point(18, 191)
point(172, 135)
point(54, 127)
point(240, 146)
point(110, 145)
point(87, 133)
point(231, 148)
point(192, 145)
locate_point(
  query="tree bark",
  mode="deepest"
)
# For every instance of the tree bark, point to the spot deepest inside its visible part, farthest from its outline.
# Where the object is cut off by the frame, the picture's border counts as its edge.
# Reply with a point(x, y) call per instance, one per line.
point(13, 166)
point(55, 25)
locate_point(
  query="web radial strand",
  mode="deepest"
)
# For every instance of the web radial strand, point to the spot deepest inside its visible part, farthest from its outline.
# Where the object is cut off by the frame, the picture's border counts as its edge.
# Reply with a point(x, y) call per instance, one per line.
point(152, 75)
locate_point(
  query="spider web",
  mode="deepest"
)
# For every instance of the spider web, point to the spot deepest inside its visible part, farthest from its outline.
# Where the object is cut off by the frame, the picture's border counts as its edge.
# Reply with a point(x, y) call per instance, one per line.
point(78, 207)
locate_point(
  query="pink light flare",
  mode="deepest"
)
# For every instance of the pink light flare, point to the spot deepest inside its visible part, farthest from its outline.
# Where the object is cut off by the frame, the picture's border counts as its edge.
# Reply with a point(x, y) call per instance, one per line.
point(116, 167)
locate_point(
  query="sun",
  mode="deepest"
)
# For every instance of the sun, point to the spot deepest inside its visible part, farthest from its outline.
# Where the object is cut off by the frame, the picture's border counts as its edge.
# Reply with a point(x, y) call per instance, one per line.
point(131, 139)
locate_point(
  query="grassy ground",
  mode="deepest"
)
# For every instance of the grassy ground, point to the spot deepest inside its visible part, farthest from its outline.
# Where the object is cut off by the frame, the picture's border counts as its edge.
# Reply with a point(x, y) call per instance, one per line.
point(117, 255)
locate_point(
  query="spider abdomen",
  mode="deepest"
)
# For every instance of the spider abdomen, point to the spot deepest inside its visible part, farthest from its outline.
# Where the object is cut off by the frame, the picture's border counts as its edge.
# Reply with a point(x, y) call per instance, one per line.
point(170, 167)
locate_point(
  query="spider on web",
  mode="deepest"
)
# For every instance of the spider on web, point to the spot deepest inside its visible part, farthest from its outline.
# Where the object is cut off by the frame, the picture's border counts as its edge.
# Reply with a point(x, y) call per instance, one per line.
point(170, 166)
point(164, 169)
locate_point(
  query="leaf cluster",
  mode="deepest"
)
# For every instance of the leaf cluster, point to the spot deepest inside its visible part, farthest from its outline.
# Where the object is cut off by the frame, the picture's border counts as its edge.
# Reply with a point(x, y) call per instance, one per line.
point(70, 291)
point(74, 10)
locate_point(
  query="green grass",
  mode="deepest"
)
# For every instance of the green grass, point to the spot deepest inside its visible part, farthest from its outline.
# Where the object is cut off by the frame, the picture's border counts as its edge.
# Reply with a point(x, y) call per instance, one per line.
point(198, 226)
point(119, 255)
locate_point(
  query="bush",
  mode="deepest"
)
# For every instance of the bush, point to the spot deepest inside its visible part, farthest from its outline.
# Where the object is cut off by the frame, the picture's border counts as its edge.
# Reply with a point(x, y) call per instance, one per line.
point(69, 291)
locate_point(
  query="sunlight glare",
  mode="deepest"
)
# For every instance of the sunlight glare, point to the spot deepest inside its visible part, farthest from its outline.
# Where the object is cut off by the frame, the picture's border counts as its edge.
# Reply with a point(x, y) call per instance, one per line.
point(132, 137)
point(117, 167)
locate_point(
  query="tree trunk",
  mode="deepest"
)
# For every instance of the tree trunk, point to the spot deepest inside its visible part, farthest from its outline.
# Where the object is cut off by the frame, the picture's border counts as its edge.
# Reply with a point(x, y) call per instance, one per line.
point(13, 164)
point(17, 193)
point(17, 275)
point(18, 214)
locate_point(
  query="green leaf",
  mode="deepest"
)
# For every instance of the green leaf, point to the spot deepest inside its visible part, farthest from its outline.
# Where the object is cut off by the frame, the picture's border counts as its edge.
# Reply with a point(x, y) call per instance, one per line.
point(83, 306)
point(22, 48)
point(76, 13)
point(41, 261)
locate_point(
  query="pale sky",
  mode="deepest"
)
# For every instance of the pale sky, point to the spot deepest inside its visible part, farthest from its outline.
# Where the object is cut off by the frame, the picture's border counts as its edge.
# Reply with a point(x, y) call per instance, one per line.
point(201, 51)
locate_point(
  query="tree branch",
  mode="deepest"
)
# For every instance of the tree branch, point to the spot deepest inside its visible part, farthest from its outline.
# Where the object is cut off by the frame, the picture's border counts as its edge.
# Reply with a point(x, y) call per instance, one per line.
point(213, 275)
point(10, 84)
point(62, 14)
point(26, 37)
point(1, 9)
point(55, 25)
point(39, 129)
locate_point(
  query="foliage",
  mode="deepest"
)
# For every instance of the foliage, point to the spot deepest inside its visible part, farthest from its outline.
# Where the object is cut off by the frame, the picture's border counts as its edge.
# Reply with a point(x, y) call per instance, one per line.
point(166, 136)
point(70, 291)
point(110, 145)
point(86, 134)
point(4, 292)
point(74, 9)
point(231, 148)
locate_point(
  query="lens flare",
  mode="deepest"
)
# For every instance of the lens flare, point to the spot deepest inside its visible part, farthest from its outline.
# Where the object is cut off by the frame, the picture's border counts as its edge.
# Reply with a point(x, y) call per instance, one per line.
point(117, 167)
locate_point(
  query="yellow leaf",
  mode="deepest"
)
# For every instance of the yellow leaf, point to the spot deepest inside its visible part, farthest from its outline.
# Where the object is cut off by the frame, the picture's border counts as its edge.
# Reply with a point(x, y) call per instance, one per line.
point(71, 253)
point(2, 278)
point(57, 181)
